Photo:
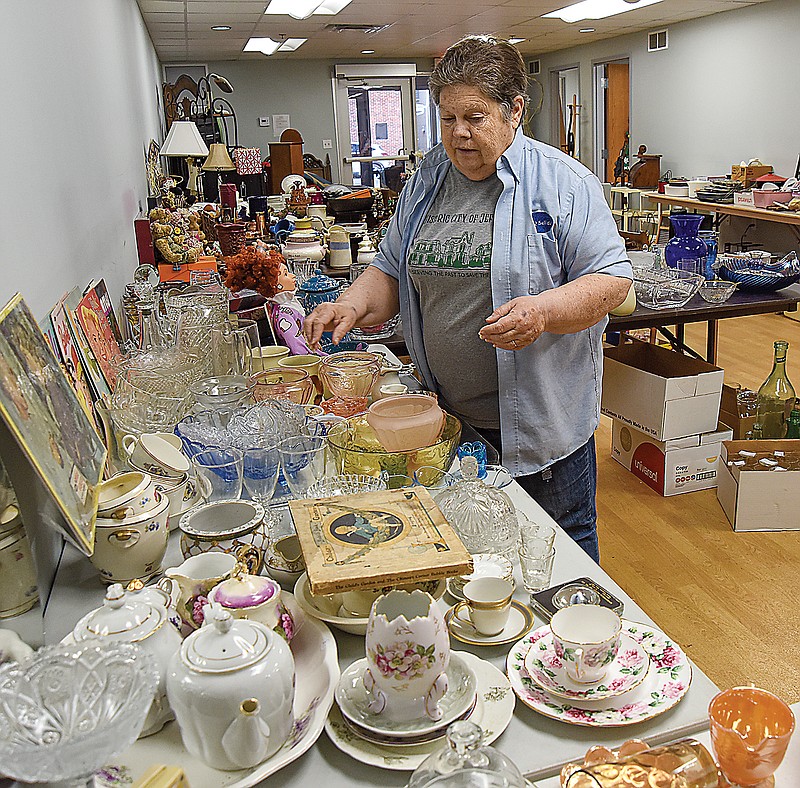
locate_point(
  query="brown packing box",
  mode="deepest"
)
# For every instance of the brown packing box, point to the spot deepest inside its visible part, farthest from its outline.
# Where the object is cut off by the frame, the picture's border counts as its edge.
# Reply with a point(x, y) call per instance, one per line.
point(747, 175)
point(371, 540)
point(759, 498)
point(729, 414)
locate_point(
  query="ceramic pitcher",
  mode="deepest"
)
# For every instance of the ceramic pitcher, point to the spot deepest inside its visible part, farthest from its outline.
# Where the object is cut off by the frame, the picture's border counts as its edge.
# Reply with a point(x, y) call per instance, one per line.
point(408, 652)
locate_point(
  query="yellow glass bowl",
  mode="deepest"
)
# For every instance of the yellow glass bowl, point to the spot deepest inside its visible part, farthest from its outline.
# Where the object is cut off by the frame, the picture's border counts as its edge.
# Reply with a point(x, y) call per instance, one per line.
point(356, 449)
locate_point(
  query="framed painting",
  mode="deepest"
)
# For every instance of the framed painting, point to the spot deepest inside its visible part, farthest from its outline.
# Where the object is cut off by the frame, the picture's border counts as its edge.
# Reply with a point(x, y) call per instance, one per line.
point(45, 417)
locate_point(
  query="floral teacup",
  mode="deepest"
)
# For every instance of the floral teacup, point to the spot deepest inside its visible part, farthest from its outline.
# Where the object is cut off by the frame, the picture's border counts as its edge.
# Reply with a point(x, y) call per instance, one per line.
point(586, 639)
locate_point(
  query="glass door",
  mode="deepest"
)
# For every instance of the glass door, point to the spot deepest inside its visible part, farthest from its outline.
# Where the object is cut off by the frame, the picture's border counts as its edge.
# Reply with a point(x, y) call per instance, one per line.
point(374, 124)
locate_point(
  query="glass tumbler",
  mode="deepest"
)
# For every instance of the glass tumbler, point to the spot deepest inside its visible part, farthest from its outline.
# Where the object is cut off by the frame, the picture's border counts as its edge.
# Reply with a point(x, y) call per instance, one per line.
point(260, 475)
point(219, 473)
point(303, 462)
point(537, 569)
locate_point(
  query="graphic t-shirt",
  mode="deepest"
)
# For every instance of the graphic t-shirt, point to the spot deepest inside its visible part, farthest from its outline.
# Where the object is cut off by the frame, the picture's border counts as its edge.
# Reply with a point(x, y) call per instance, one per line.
point(450, 266)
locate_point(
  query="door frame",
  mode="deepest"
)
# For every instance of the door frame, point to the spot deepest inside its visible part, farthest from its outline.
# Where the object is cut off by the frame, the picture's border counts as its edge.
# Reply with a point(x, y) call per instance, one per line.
point(556, 108)
point(402, 75)
point(599, 110)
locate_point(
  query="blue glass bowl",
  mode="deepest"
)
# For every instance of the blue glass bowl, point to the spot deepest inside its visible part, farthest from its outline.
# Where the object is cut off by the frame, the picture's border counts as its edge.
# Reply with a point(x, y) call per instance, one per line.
point(756, 277)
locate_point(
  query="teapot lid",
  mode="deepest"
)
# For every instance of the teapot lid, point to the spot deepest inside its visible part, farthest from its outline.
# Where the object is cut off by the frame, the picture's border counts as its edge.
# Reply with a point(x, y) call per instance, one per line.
point(245, 590)
point(320, 282)
point(225, 644)
point(123, 616)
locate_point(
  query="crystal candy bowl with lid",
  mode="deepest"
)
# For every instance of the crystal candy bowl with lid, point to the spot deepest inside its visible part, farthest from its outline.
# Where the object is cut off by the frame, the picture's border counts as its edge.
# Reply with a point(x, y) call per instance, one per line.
point(69, 708)
point(231, 687)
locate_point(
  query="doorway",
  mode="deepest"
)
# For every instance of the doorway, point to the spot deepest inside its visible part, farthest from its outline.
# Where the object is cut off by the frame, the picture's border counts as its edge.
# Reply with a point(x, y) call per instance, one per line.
point(374, 121)
point(565, 83)
point(611, 118)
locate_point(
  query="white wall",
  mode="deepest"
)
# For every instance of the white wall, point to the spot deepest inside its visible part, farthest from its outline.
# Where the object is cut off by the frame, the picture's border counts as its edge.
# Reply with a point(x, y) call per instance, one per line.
point(79, 97)
point(724, 90)
point(298, 88)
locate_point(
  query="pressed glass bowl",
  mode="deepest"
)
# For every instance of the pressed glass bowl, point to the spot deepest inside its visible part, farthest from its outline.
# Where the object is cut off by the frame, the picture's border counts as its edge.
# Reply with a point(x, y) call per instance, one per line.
point(284, 383)
point(356, 449)
point(69, 708)
point(222, 391)
point(350, 373)
point(345, 484)
point(716, 291)
point(665, 288)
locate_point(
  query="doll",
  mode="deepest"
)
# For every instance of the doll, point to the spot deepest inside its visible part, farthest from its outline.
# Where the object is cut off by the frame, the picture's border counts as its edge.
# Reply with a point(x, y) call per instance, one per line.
point(266, 272)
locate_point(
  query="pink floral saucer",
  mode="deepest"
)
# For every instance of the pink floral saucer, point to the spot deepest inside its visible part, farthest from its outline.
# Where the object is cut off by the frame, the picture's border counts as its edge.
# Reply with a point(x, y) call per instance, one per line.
point(627, 671)
point(667, 681)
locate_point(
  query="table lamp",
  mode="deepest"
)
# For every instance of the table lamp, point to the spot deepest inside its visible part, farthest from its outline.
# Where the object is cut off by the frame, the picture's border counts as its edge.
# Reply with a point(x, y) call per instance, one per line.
point(184, 140)
point(218, 161)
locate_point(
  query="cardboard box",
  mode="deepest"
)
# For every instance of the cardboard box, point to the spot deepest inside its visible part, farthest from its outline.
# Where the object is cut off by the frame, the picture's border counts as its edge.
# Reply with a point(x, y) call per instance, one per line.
point(759, 498)
point(744, 198)
point(669, 467)
point(747, 175)
point(729, 414)
point(661, 393)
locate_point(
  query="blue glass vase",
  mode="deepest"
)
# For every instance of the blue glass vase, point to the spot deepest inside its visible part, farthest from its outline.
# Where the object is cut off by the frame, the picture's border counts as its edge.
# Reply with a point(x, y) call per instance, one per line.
point(709, 237)
point(686, 245)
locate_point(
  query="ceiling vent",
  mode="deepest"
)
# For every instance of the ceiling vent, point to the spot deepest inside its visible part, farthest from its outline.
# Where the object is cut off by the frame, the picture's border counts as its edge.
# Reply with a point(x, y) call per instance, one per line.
point(657, 41)
point(535, 67)
point(345, 28)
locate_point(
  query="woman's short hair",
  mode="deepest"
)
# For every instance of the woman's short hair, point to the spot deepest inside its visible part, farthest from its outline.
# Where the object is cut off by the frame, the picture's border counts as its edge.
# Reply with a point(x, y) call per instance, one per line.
point(490, 64)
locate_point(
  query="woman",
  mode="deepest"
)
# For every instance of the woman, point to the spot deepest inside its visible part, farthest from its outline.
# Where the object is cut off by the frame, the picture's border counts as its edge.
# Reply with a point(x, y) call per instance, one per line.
point(504, 261)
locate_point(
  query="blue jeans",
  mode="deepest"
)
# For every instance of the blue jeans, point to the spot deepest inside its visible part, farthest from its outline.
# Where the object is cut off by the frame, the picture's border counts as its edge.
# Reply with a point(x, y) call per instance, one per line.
point(566, 490)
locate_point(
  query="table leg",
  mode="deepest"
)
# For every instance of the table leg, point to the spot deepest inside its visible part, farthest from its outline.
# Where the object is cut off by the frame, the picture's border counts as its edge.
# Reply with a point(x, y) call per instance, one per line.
point(711, 342)
point(680, 333)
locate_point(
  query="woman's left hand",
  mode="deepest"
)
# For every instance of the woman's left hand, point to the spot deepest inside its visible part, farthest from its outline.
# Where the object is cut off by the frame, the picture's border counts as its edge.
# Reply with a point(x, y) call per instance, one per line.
point(515, 324)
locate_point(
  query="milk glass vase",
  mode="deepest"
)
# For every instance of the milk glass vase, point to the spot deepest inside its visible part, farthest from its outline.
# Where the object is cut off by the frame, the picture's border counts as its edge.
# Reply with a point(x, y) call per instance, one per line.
point(483, 516)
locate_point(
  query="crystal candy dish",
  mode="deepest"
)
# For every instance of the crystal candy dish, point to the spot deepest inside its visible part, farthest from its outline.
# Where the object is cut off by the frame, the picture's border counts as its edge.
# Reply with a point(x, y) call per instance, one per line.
point(665, 288)
point(717, 291)
point(70, 708)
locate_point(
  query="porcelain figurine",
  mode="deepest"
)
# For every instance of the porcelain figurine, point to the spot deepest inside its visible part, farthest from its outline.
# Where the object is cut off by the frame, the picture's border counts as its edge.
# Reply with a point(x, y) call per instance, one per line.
point(266, 272)
point(255, 598)
point(12, 647)
point(408, 652)
point(231, 686)
point(137, 617)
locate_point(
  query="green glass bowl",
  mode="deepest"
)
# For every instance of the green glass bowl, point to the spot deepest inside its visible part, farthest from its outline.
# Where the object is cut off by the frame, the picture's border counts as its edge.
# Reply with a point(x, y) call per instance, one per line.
point(356, 449)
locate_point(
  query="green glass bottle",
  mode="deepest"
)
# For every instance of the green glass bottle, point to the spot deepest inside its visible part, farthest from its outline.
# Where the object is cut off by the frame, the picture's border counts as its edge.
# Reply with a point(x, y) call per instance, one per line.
point(776, 396)
point(793, 425)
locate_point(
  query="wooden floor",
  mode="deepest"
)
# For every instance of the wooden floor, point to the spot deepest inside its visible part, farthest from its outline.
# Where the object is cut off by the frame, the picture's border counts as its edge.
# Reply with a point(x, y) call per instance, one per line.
point(731, 600)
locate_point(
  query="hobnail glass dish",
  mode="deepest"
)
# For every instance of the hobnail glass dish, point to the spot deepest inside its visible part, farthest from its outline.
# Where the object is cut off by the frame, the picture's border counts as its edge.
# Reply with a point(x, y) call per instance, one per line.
point(717, 291)
point(665, 288)
point(70, 708)
point(356, 449)
point(345, 484)
point(263, 424)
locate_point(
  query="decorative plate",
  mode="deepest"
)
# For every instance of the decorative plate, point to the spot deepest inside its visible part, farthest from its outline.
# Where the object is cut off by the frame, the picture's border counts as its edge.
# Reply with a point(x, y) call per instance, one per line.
point(326, 608)
point(353, 701)
point(625, 673)
point(317, 671)
point(520, 621)
point(493, 712)
point(290, 181)
point(667, 681)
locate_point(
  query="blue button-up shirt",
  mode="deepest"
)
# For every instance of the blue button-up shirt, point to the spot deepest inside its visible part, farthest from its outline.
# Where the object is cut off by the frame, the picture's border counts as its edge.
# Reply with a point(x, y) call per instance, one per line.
point(551, 225)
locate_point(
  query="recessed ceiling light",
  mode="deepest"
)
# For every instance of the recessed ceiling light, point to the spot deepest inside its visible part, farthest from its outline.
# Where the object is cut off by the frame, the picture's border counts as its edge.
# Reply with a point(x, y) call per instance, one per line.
point(367, 51)
point(596, 9)
point(516, 40)
point(221, 27)
point(587, 30)
point(269, 47)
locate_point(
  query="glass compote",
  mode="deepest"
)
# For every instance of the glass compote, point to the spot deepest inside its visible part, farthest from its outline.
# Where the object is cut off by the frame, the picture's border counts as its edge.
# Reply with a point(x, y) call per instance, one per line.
point(69, 709)
point(750, 731)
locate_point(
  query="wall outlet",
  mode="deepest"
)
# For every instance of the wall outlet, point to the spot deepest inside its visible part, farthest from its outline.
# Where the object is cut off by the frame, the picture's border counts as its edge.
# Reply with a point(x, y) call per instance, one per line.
point(263, 121)
point(327, 144)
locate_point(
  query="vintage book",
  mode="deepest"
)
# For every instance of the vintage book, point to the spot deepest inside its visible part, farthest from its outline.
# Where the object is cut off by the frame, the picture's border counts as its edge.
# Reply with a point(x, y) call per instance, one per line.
point(100, 288)
point(375, 539)
point(90, 365)
point(98, 332)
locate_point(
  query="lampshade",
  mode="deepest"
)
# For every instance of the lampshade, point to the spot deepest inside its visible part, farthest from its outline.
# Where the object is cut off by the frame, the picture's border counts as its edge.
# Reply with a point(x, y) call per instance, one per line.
point(184, 139)
point(218, 159)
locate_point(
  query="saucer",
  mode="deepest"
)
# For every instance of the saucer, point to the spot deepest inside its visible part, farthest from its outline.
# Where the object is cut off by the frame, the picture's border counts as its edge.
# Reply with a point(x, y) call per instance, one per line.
point(493, 712)
point(483, 565)
point(520, 621)
point(626, 671)
point(667, 681)
point(353, 701)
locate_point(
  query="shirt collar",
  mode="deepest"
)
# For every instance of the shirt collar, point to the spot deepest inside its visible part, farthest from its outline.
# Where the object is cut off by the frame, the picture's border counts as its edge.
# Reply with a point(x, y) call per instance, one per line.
point(512, 156)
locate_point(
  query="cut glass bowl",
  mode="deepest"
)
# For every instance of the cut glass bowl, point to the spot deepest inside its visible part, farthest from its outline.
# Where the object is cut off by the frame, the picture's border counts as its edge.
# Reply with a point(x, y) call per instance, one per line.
point(345, 484)
point(70, 708)
point(717, 291)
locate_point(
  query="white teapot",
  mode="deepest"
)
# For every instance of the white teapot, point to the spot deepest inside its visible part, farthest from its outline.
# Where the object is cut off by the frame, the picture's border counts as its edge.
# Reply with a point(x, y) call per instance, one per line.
point(231, 687)
point(137, 617)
